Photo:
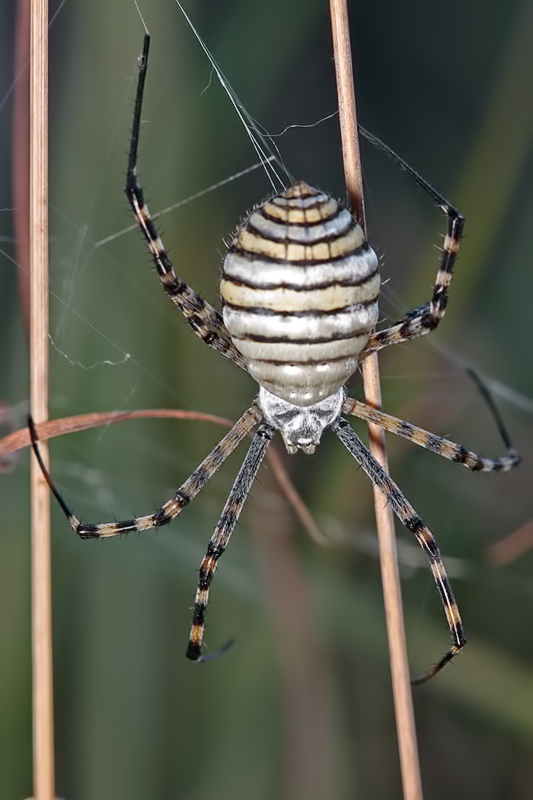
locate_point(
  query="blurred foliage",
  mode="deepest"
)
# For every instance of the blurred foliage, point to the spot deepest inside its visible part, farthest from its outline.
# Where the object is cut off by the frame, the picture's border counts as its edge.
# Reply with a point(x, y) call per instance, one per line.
point(301, 707)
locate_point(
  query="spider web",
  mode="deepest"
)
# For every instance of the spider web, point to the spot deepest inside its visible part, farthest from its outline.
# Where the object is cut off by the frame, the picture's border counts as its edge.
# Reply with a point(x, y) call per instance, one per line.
point(104, 303)
point(117, 343)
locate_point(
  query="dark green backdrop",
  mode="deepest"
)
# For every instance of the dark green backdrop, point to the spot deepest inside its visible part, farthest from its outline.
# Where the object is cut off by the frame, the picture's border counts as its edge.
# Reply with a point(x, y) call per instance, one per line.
point(301, 707)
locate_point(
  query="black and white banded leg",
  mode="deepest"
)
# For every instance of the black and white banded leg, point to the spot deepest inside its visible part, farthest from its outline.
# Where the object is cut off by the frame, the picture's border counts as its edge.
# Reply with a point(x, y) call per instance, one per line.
point(408, 517)
point(221, 536)
point(426, 317)
point(430, 441)
point(205, 321)
point(183, 496)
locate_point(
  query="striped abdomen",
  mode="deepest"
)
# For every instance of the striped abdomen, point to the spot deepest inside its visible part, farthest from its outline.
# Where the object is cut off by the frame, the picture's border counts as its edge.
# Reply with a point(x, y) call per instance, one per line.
point(299, 290)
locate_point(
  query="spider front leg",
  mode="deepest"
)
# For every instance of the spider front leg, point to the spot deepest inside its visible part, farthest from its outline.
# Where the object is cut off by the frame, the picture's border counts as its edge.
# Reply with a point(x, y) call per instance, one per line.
point(172, 507)
point(219, 540)
point(412, 521)
point(205, 321)
point(424, 319)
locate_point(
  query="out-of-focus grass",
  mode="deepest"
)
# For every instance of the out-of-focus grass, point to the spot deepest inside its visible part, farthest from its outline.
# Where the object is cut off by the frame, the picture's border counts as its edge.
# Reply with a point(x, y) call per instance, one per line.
point(133, 717)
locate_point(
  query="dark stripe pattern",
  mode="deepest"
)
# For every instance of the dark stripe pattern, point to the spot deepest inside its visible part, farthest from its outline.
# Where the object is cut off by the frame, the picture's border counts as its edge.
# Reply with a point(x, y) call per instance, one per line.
point(408, 516)
point(426, 318)
point(437, 444)
point(204, 320)
point(181, 498)
point(300, 287)
point(221, 536)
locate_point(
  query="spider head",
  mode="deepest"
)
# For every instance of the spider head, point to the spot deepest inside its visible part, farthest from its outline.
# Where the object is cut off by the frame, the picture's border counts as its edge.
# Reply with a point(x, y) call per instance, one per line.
point(300, 427)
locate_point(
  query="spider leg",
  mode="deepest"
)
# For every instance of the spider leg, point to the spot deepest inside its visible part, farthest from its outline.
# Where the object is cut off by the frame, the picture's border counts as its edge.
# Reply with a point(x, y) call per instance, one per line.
point(424, 319)
point(172, 507)
point(205, 321)
point(408, 517)
point(430, 441)
point(221, 536)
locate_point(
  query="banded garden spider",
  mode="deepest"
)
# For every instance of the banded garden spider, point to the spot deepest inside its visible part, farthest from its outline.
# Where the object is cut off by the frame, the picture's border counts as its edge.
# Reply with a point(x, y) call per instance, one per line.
point(299, 290)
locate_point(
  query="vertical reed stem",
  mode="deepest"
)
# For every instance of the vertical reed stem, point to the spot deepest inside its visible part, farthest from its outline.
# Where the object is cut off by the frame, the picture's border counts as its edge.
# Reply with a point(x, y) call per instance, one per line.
point(43, 727)
point(412, 785)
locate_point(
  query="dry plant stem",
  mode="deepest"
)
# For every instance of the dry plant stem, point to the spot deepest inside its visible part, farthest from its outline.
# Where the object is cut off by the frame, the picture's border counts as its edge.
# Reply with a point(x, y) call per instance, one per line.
point(512, 546)
point(390, 577)
point(292, 496)
point(58, 427)
point(43, 726)
point(407, 743)
point(340, 28)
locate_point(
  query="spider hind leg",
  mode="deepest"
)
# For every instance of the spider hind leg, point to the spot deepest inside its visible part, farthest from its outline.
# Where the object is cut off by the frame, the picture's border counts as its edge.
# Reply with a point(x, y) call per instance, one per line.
point(412, 521)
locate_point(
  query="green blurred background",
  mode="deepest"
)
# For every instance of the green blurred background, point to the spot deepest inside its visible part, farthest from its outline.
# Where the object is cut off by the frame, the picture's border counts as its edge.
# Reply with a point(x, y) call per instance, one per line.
point(301, 707)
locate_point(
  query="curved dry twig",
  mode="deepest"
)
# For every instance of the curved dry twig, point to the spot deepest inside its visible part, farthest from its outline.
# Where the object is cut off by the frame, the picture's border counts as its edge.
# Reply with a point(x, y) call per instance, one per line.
point(81, 422)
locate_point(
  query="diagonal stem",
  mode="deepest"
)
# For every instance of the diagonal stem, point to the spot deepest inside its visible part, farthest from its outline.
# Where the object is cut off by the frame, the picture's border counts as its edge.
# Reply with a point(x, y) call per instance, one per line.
point(405, 723)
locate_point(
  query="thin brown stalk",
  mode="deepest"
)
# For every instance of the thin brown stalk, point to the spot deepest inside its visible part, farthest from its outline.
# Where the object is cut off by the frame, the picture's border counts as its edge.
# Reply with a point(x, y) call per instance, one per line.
point(512, 546)
point(294, 499)
point(82, 422)
point(407, 743)
point(43, 724)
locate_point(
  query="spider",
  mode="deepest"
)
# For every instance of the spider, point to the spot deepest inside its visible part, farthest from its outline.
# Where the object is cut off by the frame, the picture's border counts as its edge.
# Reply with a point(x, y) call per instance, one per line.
point(299, 291)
